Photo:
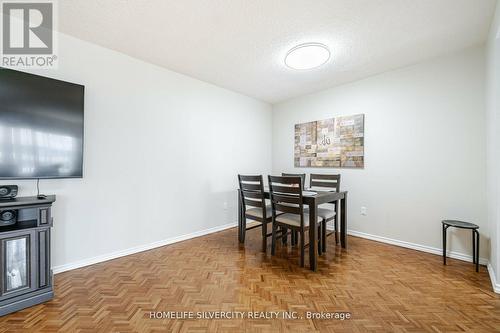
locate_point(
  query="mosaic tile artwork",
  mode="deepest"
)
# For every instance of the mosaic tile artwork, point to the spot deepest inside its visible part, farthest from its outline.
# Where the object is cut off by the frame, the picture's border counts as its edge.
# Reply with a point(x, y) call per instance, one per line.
point(331, 143)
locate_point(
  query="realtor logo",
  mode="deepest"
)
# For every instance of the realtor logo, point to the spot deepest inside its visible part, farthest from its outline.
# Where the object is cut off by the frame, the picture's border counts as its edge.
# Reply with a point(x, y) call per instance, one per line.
point(28, 34)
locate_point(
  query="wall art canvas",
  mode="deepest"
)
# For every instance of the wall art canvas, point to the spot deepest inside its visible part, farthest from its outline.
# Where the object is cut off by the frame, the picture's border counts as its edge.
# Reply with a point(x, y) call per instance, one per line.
point(331, 143)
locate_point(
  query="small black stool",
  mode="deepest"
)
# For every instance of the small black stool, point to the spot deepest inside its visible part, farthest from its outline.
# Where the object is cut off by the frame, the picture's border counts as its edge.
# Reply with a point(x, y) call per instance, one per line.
point(475, 238)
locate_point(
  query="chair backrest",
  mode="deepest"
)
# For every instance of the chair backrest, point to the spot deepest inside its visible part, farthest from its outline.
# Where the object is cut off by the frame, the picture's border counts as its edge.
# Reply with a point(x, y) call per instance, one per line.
point(331, 182)
point(301, 175)
point(252, 192)
point(286, 195)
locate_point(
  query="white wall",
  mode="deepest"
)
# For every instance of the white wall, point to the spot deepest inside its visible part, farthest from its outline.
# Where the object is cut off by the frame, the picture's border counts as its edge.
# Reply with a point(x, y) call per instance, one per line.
point(162, 153)
point(179, 143)
point(424, 148)
point(493, 142)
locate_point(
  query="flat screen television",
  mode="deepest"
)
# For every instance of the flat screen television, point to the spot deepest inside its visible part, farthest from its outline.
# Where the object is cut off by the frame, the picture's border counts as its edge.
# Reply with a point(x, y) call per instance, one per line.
point(41, 127)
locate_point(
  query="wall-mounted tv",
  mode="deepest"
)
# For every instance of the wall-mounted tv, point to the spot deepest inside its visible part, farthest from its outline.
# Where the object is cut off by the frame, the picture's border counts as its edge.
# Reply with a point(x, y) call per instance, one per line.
point(41, 127)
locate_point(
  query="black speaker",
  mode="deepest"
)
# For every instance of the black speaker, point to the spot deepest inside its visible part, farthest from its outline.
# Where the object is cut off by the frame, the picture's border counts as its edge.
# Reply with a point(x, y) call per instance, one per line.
point(8, 191)
point(8, 217)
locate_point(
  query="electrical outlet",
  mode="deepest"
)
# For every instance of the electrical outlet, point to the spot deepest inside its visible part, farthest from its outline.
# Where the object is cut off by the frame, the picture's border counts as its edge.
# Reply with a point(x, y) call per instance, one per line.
point(363, 211)
point(225, 205)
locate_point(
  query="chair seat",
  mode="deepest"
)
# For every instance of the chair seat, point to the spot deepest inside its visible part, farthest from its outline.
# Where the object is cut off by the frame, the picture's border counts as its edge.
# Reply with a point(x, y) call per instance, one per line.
point(294, 219)
point(257, 212)
point(324, 213)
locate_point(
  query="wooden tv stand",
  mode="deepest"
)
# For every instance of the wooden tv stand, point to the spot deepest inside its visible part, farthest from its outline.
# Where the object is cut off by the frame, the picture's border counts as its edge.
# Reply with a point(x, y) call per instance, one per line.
point(25, 272)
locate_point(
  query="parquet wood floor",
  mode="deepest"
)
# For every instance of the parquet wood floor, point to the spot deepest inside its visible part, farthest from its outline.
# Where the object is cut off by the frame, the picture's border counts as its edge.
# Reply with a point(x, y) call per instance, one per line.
point(385, 288)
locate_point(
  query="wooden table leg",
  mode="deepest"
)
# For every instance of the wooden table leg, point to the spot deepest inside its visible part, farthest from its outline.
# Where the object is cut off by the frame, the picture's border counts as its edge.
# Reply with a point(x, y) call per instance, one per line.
point(343, 222)
point(313, 240)
point(336, 221)
point(323, 237)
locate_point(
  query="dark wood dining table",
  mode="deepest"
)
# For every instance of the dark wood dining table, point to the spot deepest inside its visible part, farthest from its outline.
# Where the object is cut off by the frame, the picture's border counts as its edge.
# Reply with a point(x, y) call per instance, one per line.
point(312, 201)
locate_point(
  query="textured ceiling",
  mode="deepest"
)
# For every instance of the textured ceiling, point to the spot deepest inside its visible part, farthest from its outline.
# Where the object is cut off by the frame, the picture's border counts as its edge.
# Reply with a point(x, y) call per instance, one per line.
point(240, 44)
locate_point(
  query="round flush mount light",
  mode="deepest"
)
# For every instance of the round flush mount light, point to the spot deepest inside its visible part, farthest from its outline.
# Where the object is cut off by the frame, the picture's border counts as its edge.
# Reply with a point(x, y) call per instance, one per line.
point(307, 56)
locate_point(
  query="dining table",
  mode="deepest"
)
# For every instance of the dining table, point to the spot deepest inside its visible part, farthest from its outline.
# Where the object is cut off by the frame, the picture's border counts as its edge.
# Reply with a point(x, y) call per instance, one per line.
point(312, 198)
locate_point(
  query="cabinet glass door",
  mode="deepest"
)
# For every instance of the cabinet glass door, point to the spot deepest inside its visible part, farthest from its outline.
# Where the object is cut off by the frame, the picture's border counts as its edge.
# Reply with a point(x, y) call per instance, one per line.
point(16, 264)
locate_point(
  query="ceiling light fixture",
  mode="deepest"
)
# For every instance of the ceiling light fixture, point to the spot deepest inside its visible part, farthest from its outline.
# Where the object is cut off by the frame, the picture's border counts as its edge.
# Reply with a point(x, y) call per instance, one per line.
point(307, 56)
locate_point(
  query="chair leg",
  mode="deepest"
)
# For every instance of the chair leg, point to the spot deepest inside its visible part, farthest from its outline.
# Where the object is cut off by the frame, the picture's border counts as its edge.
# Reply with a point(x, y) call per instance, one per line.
point(273, 240)
point(264, 237)
point(473, 246)
point(323, 236)
point(243, 229)
point(293, 237)
point(302, 250)
point(477, 251)
point(320, 239)
point(284, 239)
point(240, 219)
point(444, 244)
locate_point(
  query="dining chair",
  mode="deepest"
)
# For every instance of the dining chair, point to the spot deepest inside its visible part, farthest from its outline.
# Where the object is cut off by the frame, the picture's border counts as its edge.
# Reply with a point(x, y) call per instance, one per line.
point(328, 214)
point(254, 206)
point(302, 176)
point(288, 210)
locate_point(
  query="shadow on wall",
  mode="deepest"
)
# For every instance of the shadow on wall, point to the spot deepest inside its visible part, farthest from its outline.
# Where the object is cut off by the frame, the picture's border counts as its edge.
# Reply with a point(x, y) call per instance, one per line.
point(463, 237)
point(221, 207)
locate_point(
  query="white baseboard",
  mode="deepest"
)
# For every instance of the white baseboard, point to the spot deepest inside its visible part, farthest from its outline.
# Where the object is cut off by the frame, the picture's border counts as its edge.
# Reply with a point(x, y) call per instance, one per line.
point(429, 249)
point(434, 250)
point(137, 249)
point(418, 247)
point(493, 278)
